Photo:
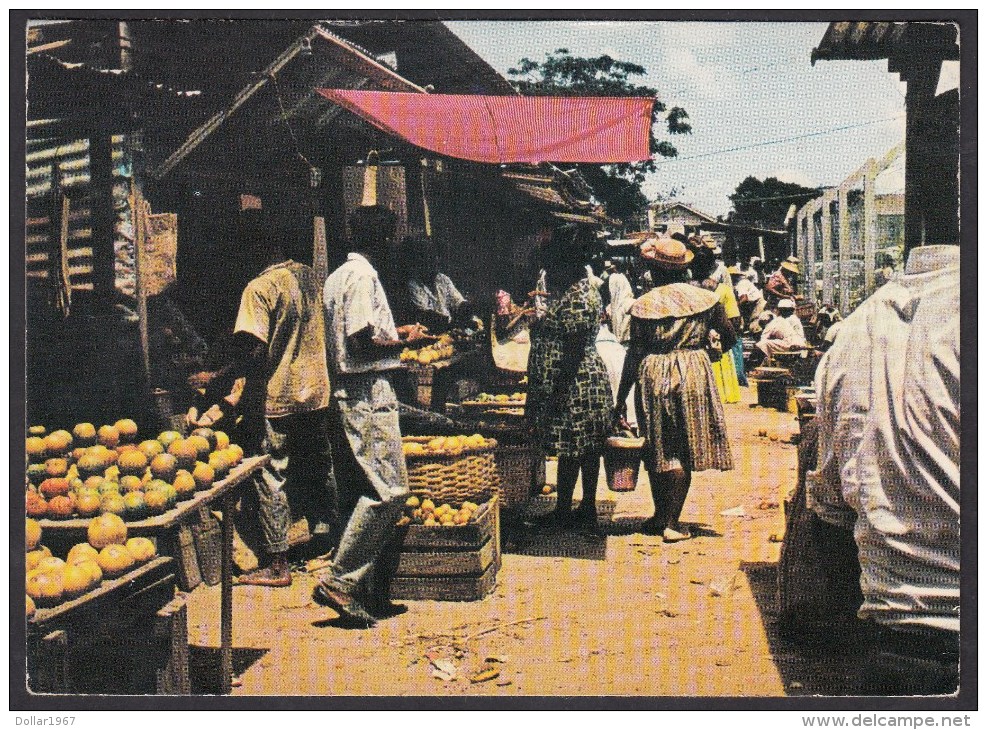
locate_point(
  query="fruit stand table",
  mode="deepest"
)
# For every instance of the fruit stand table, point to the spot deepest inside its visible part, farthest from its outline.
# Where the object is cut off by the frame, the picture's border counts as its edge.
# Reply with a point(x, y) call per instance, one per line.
point(138, 612)
point(221, 495)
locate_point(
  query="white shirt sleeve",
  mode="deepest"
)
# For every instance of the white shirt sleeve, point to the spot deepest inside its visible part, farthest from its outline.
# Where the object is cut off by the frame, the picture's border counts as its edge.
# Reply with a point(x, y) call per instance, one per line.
point(358, 306)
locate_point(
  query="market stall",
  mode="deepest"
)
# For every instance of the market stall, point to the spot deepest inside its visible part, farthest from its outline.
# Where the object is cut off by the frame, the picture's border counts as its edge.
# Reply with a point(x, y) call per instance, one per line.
point(160, 493)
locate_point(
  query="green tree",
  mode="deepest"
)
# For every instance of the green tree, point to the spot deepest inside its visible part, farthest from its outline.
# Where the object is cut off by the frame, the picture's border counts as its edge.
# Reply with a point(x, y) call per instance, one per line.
point(765, 203)
point(617, 186)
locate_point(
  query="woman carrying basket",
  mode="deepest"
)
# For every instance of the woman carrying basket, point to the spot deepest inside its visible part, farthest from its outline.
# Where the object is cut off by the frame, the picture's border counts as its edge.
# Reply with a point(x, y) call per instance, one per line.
point(678, 405)
point(569, 406)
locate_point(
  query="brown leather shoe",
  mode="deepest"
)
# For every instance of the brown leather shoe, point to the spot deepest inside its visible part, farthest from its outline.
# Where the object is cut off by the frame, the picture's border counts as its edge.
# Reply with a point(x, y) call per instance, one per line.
point(342, 603)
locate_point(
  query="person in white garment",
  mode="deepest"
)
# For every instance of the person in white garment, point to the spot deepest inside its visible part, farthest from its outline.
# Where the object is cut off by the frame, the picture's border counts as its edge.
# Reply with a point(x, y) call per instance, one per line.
point(621, 299)
point(783, 333)
point(888, 468)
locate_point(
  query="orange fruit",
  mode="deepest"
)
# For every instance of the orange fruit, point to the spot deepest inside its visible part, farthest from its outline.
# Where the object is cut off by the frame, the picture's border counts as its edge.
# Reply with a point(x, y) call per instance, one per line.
point(92, 567)
point(141, 549)
point(58, 443)
point(151, 448)
point(185, 453)
point(35, 505)
point(184, 484)
point(132, 462)
point(77, 453)
point(36, 473)
point(156, 500)
point(30, 608)
point(112, 504)
point(203, 475)
point(236, 451)
point(114, 560)
point(36, 449)
point(222, 440)
point(108, 436)
point(54, 487)
point(34, 558)
point(87, 504)
point(93, 482)
point(60, 508)
point(108, 487)
point(45, 588)
point(131, 483)
point(76, 580)
point(166, 437)
point(106, 530)
point(134, 506)
point(57, 467)
point(164, 466)
point(219, 463)
point(50, 563)
point(201, 445)
point(127, 430)
point(80, 552)
point(208, 434)
point(90, 464)
point(32, 534)
point(85, 434)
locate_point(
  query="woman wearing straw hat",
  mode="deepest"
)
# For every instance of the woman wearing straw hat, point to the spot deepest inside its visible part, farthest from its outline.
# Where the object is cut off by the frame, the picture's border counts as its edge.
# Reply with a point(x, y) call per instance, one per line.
point(678, 405)
point(783, 283)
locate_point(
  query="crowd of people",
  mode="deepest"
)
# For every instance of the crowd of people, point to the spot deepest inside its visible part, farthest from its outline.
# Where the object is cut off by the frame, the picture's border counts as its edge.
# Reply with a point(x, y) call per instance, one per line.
point(650, 343)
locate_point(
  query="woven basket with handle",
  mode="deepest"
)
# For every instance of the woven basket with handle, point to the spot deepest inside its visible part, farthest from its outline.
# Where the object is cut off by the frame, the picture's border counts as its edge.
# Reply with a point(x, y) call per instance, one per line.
point(468, 476)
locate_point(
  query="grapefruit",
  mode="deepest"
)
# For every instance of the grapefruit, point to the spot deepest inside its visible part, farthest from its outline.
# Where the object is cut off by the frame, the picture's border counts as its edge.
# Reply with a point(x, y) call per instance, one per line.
point(88, 504)
point(45, 588)
point(156, 499)
point(151, 448)
point(76, 580)
point(106, 530)
point(107, 487)
point(108, 436)
point(203, 475)
point(132, 463)
point(35, 557)
point(85, 434)
point(164, 467)
point(112, 504)
point(57, 467)
point(185, 453)
point(166, 437)
point(36, 474)
point(201, 445)
point(134, 506)
point(209, 435)
point(80, 552)
point(131, 484)
point(92, 567)
point(37, 431)
point(36, 449)
point(54, 487)
point(219, 463)
point(184, 484)
point(127, 430)
point(58, 443)
point(50, 563)
point(90, 464)
point(141, 549)
point(222, 440)
point(35, 505)
point(32, 534)
point(60, 508)
point(115, 560)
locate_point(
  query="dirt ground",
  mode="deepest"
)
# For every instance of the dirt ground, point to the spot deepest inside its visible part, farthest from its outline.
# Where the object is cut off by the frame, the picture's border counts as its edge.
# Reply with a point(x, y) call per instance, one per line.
point(618, 615)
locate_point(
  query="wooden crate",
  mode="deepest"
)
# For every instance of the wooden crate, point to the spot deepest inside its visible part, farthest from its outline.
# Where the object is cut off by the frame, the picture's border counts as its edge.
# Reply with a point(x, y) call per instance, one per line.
point(129, 636)
point(448, 563)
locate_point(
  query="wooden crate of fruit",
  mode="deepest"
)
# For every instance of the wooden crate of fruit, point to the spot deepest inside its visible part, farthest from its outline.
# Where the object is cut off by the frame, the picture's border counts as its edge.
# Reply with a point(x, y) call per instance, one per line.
point(454, 558)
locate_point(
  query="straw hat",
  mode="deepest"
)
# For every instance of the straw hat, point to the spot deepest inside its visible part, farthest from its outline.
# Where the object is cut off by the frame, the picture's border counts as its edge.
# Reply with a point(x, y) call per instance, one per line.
point(734, 271)
point(667, 253)
point(790, 266)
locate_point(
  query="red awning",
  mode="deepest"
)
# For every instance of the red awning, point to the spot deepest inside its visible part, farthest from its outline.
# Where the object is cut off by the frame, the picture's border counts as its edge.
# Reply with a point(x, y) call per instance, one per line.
point(503, 129)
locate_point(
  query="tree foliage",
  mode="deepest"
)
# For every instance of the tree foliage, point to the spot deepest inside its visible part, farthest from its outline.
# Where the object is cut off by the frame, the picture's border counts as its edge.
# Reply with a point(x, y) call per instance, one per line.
point(561, 73)
point(765, 203)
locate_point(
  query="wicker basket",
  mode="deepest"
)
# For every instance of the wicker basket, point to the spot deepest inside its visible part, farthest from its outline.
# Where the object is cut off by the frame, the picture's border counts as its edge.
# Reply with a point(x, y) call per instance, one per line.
point(468, 476)
point(622, 461)
point(522, 473)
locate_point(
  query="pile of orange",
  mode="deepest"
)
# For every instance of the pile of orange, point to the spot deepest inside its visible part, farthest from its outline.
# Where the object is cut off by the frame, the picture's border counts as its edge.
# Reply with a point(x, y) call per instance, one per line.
point(108, 554)
point(107, 470)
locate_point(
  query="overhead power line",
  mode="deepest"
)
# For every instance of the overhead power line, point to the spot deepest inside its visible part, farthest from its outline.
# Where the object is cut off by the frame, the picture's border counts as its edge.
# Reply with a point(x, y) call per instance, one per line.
point(782, 140)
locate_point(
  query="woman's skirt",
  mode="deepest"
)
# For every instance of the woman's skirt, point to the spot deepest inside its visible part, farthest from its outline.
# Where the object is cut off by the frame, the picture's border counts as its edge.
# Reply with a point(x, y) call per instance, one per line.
point(680, 414)
point(725, 375)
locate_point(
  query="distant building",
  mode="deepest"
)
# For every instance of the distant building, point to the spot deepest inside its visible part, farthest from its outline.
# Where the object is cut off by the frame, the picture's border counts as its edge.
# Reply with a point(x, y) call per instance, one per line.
point(663, 215)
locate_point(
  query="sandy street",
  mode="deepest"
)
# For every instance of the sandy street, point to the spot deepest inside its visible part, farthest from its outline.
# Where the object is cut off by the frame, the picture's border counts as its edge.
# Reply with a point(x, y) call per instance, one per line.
point(620, 615)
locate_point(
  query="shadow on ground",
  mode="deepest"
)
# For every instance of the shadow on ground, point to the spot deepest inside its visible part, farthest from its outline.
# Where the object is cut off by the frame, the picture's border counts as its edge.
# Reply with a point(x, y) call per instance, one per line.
point(204, 665)
point(805, 670)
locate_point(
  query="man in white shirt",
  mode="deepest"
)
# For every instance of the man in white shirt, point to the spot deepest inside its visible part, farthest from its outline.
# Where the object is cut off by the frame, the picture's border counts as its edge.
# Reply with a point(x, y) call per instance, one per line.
point(363, 349)
point(888, 467)
point(783, 333)
point(621, 299)
point(750, 300)
point(434, 298)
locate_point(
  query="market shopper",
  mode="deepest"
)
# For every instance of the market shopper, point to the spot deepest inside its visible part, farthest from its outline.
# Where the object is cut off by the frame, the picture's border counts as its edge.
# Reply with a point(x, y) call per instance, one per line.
point(363, 348)
point(783, 283)
point(706, 273)
point(750, 299)
point(569, 406)
point(621, 299)
point(434, 299)
point(784, 333)
point(279, 336)
point(888, 468)
point(680, 415)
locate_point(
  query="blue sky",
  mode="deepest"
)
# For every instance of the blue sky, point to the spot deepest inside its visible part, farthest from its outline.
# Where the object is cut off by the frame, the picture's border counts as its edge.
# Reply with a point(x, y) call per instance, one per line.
point(743, 84)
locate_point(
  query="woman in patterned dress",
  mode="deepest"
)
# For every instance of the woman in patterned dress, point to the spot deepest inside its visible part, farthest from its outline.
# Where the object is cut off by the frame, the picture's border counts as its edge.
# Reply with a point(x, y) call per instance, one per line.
point(569, 406)
point(678, 405)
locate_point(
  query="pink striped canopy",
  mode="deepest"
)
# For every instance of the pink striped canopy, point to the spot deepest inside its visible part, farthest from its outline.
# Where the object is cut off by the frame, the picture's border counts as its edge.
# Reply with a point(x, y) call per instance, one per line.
point(503, 129)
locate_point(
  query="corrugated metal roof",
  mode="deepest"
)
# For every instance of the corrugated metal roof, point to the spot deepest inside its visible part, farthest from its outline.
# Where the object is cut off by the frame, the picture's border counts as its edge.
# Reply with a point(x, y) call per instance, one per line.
point(877, 40)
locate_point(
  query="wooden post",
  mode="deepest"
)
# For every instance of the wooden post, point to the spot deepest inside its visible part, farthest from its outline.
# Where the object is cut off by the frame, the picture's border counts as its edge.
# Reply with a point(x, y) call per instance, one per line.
point(320, 254)
point(844, 247)
point(870, 226)
point(101, 184)
point(827, 247)
point(920, 151)
point(138, 214)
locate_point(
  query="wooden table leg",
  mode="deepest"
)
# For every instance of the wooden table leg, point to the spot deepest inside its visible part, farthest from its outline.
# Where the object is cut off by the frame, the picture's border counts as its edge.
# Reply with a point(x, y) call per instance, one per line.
point(226, 600)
